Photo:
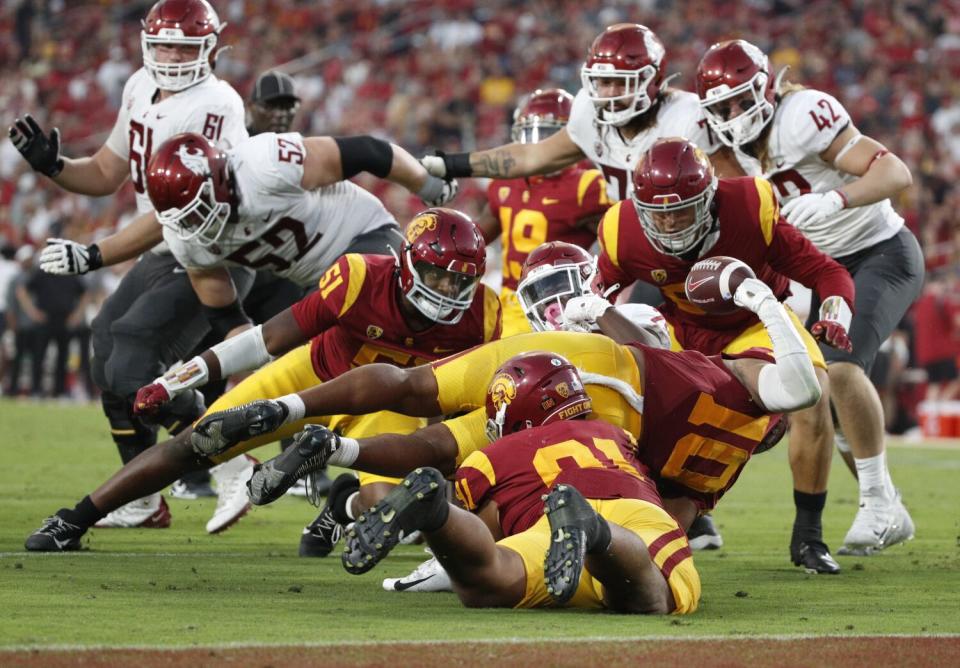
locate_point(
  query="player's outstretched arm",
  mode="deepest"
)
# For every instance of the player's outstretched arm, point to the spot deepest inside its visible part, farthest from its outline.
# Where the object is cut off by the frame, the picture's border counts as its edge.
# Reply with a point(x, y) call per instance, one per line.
point(510, 160)
point(375, 387)
point(791, 383)
point(332, 159)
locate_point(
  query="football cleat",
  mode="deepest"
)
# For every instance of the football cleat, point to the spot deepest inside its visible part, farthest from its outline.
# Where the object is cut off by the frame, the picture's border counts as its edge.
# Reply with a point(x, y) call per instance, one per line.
point(220, 431)
point(56, 535)
point(814, 557)
point(427, 577)
point(232, 502)
point(703, 534)
point(574, 524)
point(881, 522)
point(418, 502)
point(322, 535)
point(150, 512)
point(310, 451)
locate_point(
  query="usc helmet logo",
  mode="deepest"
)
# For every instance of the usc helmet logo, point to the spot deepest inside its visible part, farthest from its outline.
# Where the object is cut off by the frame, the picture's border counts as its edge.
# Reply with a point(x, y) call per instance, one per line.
point(421, 224)
point(503, 390)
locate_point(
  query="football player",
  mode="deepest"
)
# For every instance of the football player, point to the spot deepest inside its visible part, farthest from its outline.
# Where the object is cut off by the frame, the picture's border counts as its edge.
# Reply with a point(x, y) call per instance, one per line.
point(835, 185)
point(697, 419)
point(153, 318)
point(622, 108)
point(588, 533)
point(527, 212)
point(374, 308)
point(680, 213)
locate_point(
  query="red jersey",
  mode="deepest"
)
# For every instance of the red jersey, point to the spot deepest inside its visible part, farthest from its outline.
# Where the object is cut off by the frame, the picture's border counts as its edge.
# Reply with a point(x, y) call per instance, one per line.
point(355, 318)
point(700, 424)
point(515, 471)
point(751, 230)
point(538, 209)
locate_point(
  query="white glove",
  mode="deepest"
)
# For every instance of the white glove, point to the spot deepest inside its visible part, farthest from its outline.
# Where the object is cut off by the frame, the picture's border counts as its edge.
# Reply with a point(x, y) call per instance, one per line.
point(67, 258)
point(752, 293)
point(813, 208)
point(436, 191)
point(435, 165)
point(581, 312)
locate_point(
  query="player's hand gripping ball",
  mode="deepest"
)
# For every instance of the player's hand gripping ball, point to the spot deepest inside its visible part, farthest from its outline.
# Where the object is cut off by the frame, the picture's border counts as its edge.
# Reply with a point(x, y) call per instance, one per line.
point(712, 282)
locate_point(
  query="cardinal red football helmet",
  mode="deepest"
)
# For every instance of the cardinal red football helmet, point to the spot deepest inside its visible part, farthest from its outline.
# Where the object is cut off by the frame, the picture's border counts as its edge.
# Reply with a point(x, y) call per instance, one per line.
point(736, 74)
point(189, 185)
point(544, 112)
point(533, 389)
point(441, 263)
point(630, 52)
point(185, 23)
point(673, 175)
point(553, 273)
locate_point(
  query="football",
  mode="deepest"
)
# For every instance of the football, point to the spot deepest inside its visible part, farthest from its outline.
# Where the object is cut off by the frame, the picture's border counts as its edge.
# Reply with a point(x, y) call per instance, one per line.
point(711, 283)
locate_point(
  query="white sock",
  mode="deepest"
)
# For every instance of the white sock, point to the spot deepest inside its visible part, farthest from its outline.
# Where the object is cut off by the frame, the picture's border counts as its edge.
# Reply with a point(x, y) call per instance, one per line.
point(872, 473)
point(349, 506)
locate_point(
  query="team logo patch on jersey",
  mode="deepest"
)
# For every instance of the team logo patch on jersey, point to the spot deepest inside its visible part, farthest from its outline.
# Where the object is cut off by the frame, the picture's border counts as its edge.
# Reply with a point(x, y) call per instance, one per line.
point(194, 160)
point(374, 332)
point(598, 149)
point(421, 224)
point(659, 275)
point(503, 193)
point(502, 390)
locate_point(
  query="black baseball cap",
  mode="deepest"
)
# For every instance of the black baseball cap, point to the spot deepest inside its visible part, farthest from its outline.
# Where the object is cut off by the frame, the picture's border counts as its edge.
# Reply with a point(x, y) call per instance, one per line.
point(272, 85)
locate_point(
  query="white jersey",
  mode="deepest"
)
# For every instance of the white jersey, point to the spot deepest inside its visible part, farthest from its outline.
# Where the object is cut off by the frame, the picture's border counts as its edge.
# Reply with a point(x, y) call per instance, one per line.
point(212, 108)
point(804, 125)
point(282, 228)
point(679, 115)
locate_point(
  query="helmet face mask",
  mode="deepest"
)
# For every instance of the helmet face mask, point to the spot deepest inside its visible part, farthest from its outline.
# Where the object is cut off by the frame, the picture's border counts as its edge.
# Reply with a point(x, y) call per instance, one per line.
point(552, 274)
point(180, 23)
point(542, 115)
point(620, 109)
point(202, 221)
point(441, 264)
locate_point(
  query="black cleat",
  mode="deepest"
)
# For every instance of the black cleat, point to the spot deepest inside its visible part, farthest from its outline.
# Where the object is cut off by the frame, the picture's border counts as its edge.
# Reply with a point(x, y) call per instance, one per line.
point(814, 557)
point(574, 525)
point(321, 536)
point(419, 502)
point(56, 535)
point(220, 431)
point(703, 534)
point(310, 451)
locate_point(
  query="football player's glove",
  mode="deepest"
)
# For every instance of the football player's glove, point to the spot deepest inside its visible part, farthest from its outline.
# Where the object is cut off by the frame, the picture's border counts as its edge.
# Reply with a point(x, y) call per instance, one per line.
point(150, 398)
point(751, 294)
point(581, 312)
point(437, 191)
point(447, 165)
point(40, 150)
point(813, 208)
point(68, 258)
point(834, 324)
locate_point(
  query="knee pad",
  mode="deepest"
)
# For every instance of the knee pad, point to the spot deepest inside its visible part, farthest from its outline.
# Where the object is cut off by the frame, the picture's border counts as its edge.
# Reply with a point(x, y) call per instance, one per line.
point(130, 434)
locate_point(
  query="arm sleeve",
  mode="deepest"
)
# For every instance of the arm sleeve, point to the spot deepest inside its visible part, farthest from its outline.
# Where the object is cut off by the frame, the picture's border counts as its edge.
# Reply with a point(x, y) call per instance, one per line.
point(338, 291)
point(794, 256)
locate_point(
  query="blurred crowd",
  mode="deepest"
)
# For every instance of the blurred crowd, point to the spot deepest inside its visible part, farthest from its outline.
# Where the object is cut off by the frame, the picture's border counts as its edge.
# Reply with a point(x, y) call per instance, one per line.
point(448, 73)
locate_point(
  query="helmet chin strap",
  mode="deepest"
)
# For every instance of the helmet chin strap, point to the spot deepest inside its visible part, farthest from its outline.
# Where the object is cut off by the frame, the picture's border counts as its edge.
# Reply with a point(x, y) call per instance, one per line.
point(670, 78)
point(779, 78)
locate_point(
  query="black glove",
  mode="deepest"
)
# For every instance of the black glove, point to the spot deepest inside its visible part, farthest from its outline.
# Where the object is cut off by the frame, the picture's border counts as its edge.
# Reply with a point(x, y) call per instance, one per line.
point(41, 151)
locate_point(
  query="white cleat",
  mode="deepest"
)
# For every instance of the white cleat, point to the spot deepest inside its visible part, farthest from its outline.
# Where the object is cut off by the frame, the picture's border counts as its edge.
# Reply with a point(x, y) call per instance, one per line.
point(428, 576)
point(150, 512)
point(232, 502)
point(882, 521)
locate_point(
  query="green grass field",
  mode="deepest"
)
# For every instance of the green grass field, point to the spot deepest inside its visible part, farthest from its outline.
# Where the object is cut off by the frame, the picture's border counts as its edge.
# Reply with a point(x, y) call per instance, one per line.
point(182, 587)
